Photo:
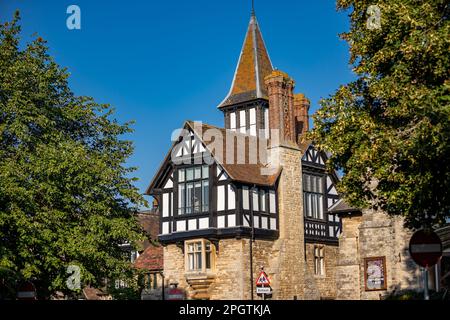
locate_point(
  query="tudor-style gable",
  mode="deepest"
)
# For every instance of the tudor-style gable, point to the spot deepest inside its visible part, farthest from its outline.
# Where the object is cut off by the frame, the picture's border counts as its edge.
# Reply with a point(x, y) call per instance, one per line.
point(313, 157)
point(202, 196)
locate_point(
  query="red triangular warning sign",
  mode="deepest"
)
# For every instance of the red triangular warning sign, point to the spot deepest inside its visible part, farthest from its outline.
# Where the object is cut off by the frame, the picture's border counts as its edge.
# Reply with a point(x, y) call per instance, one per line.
point(263, 280)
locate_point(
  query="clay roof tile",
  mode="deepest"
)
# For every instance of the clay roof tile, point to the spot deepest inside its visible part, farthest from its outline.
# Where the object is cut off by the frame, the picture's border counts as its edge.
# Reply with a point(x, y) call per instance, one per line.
point(253, 66)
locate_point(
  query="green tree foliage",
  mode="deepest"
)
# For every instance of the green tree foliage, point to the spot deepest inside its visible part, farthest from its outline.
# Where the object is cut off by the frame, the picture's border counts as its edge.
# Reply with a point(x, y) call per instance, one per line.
point(389, 130)
point(65, 193)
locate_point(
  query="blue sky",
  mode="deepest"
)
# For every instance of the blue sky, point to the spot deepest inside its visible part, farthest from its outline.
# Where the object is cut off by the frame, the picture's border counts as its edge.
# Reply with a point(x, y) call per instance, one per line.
point(163, 62)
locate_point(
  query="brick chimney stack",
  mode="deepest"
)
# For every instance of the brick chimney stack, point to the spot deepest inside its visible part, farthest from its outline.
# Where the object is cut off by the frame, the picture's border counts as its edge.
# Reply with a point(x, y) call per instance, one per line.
point(280, 90)
point(301, 113)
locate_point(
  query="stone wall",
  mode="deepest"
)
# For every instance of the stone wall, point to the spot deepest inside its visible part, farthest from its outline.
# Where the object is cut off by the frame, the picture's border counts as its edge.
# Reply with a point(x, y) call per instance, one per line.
point(174, 268)
point(324, 284)
point(231, 263)
point(347, 270)
point(231, 278)
point(374, 234)
point(290, 245)
point(381, 235)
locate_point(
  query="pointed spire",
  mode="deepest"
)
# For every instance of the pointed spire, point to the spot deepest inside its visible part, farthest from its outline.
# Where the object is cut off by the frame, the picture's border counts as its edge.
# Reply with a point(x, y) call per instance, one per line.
point(253, 66)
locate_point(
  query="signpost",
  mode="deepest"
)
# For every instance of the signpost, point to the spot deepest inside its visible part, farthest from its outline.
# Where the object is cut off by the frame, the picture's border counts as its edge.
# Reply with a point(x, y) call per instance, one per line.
point(263, 290)
point(425, 248)
point(263, 284)
point(174, 293)
point(263, 280)
point(26, 291)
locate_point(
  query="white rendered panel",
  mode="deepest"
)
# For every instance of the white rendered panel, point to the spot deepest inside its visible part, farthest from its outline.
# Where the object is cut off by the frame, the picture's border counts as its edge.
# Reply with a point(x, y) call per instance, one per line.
point(165, 203)
point(252, 116)
point(246, 221)
point(220, 198)
point(231, 220)
point(265, 223)
point(192, 224)
point(255, 200)
point(165, 228)
point(231, 198)
point(179, 151)
point(272, 202)
point(169, 184)
point(333, 191)
point(221, 222)
point(266, 122)
point(321, 160)
point(262, 197)
point(245, 198)
point(223, 177)
point(181, 225)
point(233, 120)
point(242, 120)
point(273, 224)
point(329, 182)
point(204, 223)
point(330, 202)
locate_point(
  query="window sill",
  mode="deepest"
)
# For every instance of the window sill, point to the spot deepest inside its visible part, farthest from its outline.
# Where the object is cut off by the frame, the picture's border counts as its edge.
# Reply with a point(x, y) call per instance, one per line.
point(199, 275)
point(315, 219)
point(204, 213)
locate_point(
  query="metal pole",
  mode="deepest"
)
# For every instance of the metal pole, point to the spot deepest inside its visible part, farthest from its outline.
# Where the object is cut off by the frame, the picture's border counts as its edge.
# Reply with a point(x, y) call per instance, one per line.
point(437, 276)
point(426, 295)
point(251, 268)
point(163, 288)
point(251, 241)
point(263, 294)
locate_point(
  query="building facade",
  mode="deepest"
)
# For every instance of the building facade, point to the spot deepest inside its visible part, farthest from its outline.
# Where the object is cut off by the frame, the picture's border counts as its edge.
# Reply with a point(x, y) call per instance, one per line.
point(251, 195)
point(255, 195)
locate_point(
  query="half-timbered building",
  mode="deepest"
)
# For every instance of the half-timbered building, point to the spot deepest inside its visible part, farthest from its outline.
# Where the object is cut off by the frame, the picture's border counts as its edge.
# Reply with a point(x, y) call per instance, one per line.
point(253, 194)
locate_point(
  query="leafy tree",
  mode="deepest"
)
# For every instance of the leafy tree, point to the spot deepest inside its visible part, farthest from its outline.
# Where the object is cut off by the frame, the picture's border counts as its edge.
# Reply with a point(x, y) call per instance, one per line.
point(65, 193)
point(132, 287)
point(389, 130)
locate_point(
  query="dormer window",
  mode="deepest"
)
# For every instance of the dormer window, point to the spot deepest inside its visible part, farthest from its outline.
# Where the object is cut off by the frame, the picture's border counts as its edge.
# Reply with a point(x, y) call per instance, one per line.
point(193, 190)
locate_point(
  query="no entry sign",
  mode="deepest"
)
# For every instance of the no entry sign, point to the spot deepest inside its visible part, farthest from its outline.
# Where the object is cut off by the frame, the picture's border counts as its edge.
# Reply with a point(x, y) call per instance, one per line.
point(26, 291)
point(425, 248)
point(175, 294)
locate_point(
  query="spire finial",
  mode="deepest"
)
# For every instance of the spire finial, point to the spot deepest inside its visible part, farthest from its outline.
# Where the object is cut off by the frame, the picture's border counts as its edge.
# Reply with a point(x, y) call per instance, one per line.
point(253, 7)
